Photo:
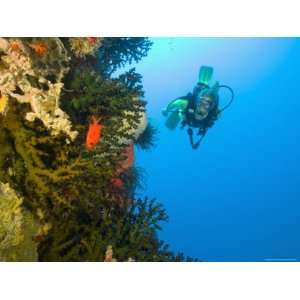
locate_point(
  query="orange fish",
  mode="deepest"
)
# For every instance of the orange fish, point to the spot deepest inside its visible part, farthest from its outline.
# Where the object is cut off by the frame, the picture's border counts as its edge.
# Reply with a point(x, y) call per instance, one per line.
point(40, 48)
point(94, 133)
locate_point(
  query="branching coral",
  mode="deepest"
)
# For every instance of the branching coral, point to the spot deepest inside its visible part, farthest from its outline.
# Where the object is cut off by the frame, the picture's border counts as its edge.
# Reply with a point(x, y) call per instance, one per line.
point(135, 232)
point(134, 179)
point(133, 131)
point(26, 78)
point(116, 52)
point(132, 233)
point(34, 168)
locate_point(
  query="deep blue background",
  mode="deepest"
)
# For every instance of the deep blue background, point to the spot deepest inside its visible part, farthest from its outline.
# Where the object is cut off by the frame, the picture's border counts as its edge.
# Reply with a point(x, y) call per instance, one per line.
point(238, 197)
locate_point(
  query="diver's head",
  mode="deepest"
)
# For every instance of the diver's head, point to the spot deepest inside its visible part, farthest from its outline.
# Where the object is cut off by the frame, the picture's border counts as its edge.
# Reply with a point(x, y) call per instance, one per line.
point(205, 106)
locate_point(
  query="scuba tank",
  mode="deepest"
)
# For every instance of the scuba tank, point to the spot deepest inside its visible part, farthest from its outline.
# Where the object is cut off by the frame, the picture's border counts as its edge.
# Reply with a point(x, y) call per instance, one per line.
point(209, 93)
point(206, 94)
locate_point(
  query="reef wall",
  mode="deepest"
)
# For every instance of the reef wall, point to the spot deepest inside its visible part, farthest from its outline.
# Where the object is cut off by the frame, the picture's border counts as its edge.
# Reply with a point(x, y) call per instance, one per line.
point(68, 132)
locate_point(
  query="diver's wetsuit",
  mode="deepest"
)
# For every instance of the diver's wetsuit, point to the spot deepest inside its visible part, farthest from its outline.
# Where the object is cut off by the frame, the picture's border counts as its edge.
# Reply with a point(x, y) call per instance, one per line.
point(201, 123)
point(190, 119)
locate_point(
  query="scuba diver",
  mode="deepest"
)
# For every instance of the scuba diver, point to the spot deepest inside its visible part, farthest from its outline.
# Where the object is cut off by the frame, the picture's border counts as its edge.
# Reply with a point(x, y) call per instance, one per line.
point(199, 109)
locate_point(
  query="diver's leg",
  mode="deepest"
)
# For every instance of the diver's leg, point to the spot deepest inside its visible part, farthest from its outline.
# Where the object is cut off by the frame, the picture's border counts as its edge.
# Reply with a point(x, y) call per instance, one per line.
point(201, 131)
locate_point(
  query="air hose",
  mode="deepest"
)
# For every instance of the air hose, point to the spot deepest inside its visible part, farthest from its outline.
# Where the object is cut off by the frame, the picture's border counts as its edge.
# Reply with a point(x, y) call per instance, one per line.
point(231, 99)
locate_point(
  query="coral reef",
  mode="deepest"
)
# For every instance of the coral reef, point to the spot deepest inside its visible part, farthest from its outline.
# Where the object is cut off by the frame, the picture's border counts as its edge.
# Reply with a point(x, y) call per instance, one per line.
point(25, 77)
point(133, 131)
point(68, 130)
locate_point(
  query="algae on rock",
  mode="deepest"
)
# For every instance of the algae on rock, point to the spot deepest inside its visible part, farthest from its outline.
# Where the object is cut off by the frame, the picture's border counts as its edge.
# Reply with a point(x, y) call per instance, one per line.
point(17, 228)
point(83, 46)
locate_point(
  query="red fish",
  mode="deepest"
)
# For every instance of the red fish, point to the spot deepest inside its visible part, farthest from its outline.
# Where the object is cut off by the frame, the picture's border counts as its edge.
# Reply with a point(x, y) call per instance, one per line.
point(94, 133)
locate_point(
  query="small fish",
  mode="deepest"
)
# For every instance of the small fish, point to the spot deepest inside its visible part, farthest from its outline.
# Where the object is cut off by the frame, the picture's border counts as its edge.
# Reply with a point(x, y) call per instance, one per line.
point(91, 40)
point(40, 48)
point(94, 133)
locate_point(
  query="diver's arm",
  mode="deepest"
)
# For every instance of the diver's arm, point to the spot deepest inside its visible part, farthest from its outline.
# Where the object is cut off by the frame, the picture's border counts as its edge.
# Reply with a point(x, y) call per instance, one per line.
point(178, 104)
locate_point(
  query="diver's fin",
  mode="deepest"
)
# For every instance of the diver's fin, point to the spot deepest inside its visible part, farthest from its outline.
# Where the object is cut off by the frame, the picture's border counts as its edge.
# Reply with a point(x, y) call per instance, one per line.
point(176, 109)
point(205, 75)
point(173, 120)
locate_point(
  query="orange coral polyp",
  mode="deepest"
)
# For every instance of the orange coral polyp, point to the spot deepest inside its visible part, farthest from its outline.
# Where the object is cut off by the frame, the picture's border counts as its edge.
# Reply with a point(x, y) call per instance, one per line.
point(40, 48)
point(15, 46)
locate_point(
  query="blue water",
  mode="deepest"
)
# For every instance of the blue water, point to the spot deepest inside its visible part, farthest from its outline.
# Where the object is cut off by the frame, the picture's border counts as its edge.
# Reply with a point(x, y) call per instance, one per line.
point(237, 198)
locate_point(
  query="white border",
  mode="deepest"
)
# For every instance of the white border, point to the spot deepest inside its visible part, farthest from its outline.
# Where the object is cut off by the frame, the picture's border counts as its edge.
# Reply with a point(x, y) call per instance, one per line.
point(150, 281)
point(150, 18)
point(145, 281)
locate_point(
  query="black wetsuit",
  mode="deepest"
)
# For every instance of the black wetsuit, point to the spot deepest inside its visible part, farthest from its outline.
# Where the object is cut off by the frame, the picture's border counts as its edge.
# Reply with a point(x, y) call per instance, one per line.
point(190, 119)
